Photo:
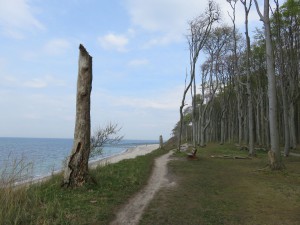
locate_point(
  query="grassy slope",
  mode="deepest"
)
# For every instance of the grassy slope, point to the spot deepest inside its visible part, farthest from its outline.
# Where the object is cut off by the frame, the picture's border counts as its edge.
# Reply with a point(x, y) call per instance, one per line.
point(227, 191)
point(95, 204)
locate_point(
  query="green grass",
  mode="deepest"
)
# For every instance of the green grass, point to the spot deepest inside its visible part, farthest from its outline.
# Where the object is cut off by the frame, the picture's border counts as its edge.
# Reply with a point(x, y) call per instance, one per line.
point(48, 203)
point(208, 191)
point(227, 191)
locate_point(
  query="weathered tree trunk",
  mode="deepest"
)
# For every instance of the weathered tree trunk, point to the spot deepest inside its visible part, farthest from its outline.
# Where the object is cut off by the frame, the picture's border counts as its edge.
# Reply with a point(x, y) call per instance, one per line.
point(161, 142)
point(76, 171)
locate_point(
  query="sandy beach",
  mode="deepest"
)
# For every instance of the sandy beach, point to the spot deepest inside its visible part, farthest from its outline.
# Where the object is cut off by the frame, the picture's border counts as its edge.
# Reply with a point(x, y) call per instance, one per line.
point(128, 154)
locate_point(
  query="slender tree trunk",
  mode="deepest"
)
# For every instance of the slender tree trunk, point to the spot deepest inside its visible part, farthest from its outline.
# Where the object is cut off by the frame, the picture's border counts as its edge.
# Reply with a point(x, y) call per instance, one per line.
point(277, 163)
point(293, 127)
point(275, 154)
point(222, 129)
point(76, 171)
point(262, 119)
point(181, 109)
point(194, 122)
point(240, 118)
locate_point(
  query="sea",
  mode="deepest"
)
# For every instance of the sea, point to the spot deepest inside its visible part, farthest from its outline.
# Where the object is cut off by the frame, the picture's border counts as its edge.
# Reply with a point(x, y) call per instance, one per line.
point(34, 158)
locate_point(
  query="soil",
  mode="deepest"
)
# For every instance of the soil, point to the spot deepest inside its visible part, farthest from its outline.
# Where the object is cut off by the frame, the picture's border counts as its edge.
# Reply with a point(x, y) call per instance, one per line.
point(132, 211)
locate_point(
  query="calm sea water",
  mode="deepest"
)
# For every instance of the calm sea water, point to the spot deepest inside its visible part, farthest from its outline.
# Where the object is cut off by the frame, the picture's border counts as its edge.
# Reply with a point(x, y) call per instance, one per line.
point(46, 155)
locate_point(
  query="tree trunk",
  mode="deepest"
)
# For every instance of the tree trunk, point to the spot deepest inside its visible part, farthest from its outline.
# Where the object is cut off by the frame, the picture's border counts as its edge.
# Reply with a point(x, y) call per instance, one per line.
point(274, 137)
point(276, 163)
point(258, 133)
point(76, 171)
point(292, 127)
point(249, 91)
point(285, 119)
point(240, 119)
point(161, 142)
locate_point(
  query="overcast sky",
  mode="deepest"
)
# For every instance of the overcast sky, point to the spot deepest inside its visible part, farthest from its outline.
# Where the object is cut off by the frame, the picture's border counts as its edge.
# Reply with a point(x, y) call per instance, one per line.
point(139, 60)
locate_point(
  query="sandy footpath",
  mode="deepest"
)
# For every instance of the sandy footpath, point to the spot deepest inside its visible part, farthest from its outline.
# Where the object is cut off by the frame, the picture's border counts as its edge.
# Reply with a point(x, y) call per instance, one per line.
point(129, 154)
point(132, 211)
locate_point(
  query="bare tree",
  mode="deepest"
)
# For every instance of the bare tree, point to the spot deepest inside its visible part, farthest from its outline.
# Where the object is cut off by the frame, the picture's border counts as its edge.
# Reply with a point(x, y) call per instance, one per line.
point(76, 171)
point(275, 154)
point(105, 136)
point(199, 28)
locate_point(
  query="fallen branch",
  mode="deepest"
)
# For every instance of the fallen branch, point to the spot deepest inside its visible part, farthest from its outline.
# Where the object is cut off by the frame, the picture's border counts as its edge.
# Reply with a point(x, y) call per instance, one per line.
point(192, 155)
point(230, 157)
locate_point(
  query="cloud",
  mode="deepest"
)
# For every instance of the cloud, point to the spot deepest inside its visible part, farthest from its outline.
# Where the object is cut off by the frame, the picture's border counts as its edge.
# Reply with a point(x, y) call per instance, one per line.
point(16, 18)
point(57, 46)
point(153, 112)
point(114, 42)
point(138, 62)
point(35, 83)
point(167, 99)
point(168, 17)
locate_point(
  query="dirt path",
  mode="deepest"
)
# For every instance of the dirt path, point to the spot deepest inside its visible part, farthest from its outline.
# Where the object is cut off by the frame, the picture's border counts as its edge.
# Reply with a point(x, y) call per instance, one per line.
point(131, 213)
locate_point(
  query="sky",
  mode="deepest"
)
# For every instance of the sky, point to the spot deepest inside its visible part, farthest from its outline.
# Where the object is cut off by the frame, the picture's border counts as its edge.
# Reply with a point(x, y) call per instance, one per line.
point(140, 57)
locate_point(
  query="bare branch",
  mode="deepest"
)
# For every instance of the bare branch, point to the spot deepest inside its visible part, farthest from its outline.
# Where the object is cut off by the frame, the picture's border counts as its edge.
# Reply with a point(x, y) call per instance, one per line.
point(262, 18)
point(105, 136)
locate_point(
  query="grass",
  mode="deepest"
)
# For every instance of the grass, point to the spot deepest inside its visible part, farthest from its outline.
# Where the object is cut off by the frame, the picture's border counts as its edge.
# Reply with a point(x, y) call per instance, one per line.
point(48, 203)
point(225, 191)
point(208, 191)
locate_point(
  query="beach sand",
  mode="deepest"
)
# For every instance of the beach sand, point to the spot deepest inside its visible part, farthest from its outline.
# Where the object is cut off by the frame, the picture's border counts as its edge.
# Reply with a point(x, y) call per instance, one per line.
point(128, 154)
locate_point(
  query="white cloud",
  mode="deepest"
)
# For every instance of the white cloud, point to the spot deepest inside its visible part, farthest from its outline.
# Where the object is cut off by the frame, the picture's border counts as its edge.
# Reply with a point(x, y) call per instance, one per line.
point(152, 113)
point(138, 62)
point(168, 19)
point(42, 82)
point(114, 42)
point(57, 46)
point(160, 100)
point(16, 17)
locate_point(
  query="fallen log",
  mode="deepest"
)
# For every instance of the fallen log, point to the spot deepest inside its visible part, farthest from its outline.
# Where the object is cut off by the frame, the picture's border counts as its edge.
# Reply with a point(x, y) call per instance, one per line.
point(230, 157)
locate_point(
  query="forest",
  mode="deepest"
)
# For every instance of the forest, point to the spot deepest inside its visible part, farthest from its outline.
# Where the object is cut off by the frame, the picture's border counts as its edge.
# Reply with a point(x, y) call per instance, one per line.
point(247, 89)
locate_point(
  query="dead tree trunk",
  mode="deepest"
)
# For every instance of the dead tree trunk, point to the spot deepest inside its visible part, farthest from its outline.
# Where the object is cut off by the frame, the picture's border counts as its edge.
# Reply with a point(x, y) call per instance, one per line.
point(161, 142)
point(76, 171)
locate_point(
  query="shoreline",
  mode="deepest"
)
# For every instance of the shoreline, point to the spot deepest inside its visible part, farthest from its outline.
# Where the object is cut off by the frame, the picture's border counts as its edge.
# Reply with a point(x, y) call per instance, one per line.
point(129, 153)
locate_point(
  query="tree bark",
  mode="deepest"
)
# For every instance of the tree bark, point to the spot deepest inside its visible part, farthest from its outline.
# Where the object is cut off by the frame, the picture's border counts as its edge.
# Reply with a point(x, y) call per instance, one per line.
point(161, 142)
point(275, 163)
point(249, 91)
point(76, 171)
